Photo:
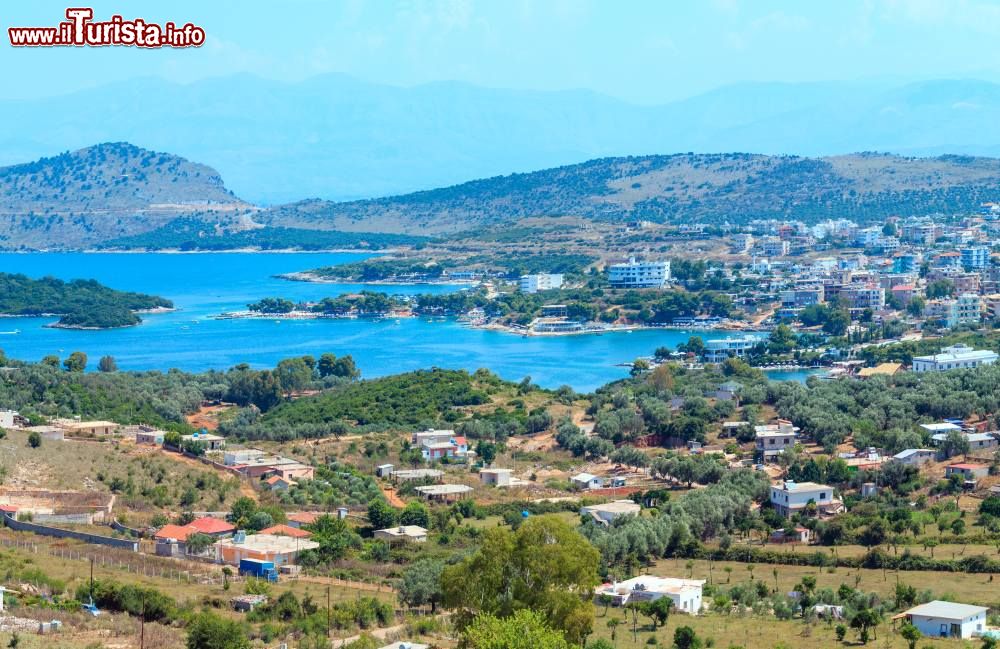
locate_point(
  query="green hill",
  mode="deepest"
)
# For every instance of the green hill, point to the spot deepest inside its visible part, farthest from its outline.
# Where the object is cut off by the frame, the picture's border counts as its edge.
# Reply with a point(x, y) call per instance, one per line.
point(730, 187)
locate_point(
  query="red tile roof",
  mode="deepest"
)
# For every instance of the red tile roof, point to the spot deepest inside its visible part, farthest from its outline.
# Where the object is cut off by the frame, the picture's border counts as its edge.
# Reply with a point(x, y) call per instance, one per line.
point(303, 518)
point(209, 525)
point(285, 530)
point(178, 532)
point(967, 466)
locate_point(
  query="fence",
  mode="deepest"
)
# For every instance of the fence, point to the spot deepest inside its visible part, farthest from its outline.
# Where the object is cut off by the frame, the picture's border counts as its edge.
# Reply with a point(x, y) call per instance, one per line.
point(128, 562)
point(86, 537)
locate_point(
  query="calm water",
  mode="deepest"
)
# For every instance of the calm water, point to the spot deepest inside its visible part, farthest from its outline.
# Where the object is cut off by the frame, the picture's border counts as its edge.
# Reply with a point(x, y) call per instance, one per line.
point(204, 285)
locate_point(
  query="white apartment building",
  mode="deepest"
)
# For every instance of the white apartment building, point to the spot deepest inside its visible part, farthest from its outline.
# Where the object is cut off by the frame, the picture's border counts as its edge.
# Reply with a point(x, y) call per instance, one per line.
point(639, 274)
point(954, 358)
point(718, 350)
point(540, 282)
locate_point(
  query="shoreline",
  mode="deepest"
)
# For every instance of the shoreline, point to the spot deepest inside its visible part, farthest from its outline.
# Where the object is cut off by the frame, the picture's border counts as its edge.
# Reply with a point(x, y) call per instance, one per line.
point(58, 325)
point(312, 278)
point(178, 251)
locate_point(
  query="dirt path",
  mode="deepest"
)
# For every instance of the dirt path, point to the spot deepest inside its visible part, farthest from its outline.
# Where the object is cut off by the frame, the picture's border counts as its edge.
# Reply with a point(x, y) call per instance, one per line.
point(390, 495)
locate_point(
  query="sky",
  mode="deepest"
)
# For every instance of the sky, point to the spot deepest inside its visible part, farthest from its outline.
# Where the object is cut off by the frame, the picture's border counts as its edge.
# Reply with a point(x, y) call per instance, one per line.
point(640, 51)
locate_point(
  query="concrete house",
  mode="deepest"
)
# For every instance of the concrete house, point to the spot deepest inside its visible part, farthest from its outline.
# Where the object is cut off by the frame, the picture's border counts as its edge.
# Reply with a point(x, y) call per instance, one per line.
point(413, 533)
point(607, 512)
point(685, 593)
point(496, 477)
point(773, 439)
point(914, 456)
point(967, 470)
point(791, 497)
point(587, 481)
point(263, 547)
point(210, 441)
point(947, 619)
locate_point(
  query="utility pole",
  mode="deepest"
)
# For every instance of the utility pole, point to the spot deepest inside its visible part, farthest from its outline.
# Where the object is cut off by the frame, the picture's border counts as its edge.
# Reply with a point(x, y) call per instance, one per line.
point(328, 623)
point(91, 580)
point(142, 624)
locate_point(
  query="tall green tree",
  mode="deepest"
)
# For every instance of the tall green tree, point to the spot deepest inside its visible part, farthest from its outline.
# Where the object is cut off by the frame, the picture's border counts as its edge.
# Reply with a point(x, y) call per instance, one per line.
point(76, 362)
point(545, 566)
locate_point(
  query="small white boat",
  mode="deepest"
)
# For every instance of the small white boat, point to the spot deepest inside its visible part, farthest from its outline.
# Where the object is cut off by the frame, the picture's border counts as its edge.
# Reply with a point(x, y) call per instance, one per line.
point(12, 333)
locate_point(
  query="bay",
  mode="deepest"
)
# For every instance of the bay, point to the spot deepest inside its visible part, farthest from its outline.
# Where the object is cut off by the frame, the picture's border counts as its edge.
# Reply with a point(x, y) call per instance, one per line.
point(202, 285)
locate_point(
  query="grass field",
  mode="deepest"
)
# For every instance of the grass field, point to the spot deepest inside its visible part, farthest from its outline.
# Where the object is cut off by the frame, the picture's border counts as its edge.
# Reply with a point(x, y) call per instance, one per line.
point(971, 589)
point(751, 632)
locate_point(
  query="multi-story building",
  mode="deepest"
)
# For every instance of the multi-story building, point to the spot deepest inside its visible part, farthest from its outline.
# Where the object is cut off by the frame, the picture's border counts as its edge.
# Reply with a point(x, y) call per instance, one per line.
point(864, 297)
point(975, 257)
point(887, 244)
point(773, 439)
point(953, 358)
point(774, 247)
point(718, 350)
point(741, 242)
point(639, 274)
point(920, 232)
point(868, 237)
point(965, 309)
point(540, 282)
point(792, 497)
point(905, 262)
point(795, 299)
point(947, 259)
point(966, 282)
point(904, 293)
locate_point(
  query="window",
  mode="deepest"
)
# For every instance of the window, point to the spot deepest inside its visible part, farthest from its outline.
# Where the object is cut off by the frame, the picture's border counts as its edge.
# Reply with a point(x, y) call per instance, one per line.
point(822, 495)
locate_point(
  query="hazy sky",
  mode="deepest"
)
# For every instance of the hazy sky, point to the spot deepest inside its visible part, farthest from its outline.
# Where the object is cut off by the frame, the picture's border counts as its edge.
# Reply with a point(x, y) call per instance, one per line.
point(640, 51)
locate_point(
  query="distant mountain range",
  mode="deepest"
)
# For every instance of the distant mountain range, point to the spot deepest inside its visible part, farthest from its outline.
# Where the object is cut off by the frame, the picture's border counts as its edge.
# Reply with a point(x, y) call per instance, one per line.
point(121, 196)
point(337, 138)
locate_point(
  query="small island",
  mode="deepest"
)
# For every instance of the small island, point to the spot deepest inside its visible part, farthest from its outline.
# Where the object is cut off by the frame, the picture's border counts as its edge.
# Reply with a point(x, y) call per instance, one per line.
point(80, 303)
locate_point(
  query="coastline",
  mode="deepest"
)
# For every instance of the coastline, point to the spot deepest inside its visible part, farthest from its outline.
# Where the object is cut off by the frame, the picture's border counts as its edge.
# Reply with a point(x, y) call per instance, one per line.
point(312, 278)
point(178, 251)
point(58, 325)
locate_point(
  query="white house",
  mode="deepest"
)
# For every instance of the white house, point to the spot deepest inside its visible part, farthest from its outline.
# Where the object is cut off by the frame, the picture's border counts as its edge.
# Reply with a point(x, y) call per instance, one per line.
point(685, 593)
point(496, 477)
point(914, 456)
point(587, 481)
point(791, 497)
point(953, 358)
point(977, 441)
point(773, 439)
point(7, 419)
point(639, 274)
point(607, 512)
point(947, 619)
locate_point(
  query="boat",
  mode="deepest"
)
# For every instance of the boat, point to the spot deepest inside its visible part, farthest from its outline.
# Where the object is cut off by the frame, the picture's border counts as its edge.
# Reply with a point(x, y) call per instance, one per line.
point(11, 333)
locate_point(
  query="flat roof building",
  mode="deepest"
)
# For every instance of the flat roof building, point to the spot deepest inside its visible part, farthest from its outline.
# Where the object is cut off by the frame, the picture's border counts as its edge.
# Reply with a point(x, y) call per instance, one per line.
point(940, 619)
point(607, 512)
point(953, 358)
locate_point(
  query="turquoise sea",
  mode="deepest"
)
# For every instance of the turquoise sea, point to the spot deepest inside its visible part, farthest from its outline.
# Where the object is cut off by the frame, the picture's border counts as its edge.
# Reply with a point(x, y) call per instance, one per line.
point(202, 285)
